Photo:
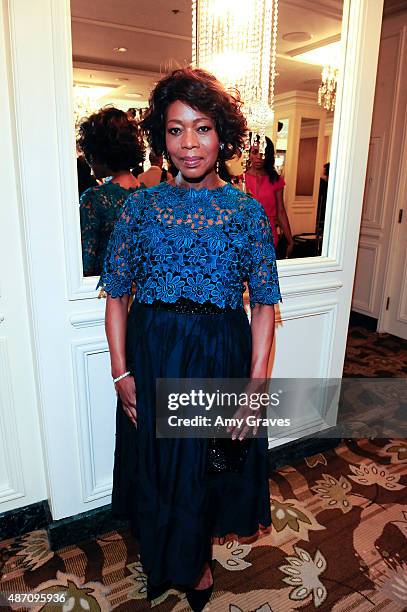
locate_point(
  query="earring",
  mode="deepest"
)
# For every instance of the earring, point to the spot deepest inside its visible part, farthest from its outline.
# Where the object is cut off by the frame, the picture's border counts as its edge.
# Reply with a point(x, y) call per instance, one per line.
point(217, 167)
point(167, 157)
point(222, 146)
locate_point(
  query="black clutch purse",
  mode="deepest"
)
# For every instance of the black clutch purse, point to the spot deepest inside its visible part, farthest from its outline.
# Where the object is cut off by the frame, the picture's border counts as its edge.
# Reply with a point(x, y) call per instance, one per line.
point(227, 455)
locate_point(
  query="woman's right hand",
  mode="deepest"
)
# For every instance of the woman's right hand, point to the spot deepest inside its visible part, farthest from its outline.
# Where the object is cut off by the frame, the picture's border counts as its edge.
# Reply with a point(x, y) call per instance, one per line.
point(126, 388)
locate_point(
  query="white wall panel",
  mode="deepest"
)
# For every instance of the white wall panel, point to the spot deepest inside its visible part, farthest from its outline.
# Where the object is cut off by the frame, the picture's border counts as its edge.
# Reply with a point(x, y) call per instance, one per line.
point(11, 476)
point(22, 470)
point(95, 407)
point(380, 208)
point(366, 276)
point(373, 210)
point(308, 328)
point(402, 307)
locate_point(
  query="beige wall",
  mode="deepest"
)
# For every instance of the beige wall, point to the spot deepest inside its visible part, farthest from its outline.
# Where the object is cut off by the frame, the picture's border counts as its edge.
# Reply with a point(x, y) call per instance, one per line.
point(307, 154)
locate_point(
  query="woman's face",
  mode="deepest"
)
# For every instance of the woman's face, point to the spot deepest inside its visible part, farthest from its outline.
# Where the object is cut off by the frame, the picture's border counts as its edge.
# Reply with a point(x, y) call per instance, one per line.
point(191, 140)
point(256, 158)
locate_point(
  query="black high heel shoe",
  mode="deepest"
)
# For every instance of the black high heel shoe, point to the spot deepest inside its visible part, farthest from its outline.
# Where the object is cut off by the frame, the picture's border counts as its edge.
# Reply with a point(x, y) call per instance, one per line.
point(154, 591)
point(198, 598)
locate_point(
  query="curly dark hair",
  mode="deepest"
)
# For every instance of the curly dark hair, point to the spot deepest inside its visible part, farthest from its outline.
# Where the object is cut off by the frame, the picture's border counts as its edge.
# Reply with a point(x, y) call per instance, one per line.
point(112, 138)
point(200, 90)
point(270, 160)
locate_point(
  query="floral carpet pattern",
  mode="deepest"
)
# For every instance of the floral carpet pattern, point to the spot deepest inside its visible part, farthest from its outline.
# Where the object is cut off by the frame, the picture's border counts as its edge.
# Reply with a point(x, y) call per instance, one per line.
point(338, 541)
point(371, 354)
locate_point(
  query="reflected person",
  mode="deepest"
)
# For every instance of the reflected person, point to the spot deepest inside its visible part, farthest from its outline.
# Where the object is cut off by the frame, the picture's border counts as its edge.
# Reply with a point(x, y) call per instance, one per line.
point(265, 184)
point(85, 177)
point(156, 173)
point(112, 144)
point(323, 190)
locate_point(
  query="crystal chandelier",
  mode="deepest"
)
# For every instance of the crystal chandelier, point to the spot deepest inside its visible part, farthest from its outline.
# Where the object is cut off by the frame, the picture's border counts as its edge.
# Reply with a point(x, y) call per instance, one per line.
point(327, 89)
point(87, 99)
point(236, 40)
point(83, 104)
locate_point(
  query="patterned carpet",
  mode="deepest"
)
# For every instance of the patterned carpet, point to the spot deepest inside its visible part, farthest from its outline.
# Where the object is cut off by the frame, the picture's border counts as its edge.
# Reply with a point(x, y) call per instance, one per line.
point(338, 542)
point(372, 354)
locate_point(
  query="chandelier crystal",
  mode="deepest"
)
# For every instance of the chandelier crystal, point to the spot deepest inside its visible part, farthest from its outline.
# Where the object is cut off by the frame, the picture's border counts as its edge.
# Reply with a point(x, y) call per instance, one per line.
point(327, 89)
point(236, 40)
point(83, 104)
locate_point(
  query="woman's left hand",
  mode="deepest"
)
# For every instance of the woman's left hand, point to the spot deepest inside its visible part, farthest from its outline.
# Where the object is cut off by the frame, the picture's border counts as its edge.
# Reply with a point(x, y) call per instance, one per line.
point(256, 386)
point(241, 431)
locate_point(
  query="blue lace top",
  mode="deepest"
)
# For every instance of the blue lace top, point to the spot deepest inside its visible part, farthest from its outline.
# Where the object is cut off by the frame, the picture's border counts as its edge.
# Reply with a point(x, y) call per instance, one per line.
point(200, 244)
point(99, 208)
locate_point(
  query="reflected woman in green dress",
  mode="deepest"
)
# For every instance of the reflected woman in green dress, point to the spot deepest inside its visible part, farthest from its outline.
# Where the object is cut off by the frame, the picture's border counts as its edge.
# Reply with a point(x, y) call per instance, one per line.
point(112, 145)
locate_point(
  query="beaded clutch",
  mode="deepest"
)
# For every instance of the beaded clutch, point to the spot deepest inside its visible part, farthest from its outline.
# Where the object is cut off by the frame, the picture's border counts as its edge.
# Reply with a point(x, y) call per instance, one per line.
point(227, 455)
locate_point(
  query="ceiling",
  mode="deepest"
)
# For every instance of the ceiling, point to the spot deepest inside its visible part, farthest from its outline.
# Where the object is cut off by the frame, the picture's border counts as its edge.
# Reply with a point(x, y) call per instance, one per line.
point(157, 35)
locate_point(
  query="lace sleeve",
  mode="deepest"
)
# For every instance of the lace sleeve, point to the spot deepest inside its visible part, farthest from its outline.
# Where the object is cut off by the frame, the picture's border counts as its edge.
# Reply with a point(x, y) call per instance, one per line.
point(121, 255)
point(263, 283)
point(90, 230)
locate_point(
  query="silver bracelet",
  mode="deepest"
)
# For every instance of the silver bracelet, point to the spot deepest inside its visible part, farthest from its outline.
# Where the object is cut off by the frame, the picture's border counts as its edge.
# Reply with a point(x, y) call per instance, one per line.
point(115, 380)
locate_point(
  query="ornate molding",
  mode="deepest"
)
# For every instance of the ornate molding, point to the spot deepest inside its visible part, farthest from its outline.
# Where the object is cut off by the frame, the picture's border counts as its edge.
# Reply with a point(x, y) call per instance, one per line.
point(133, 71)
point(94, 486)
point(394, 6)
point(129, 28)
point(92, 318)
point(329, 8)
point(375, 249)
point(305, 289)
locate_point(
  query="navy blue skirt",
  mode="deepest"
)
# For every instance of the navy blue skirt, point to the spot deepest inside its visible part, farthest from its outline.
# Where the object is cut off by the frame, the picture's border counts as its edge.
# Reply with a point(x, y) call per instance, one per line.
point(161, 485)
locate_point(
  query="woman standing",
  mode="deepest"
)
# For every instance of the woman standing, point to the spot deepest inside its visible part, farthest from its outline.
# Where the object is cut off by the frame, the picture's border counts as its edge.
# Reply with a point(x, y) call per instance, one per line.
point(112, 145)
point(265, 184)
point(189, 246)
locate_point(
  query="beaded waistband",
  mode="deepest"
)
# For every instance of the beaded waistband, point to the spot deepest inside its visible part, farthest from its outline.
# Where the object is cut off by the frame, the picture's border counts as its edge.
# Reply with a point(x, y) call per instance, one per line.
point(186, 306)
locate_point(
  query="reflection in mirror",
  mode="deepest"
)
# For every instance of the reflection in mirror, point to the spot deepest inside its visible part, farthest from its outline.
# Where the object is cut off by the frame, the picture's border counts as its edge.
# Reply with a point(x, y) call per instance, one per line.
point(307, 153)
point(118, 55)
point(111, 143)
point(308, 41)
point(281, 145)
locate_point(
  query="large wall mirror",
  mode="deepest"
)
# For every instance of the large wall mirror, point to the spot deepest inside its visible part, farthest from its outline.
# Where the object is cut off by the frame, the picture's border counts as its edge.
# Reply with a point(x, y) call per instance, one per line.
point(121, 48)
